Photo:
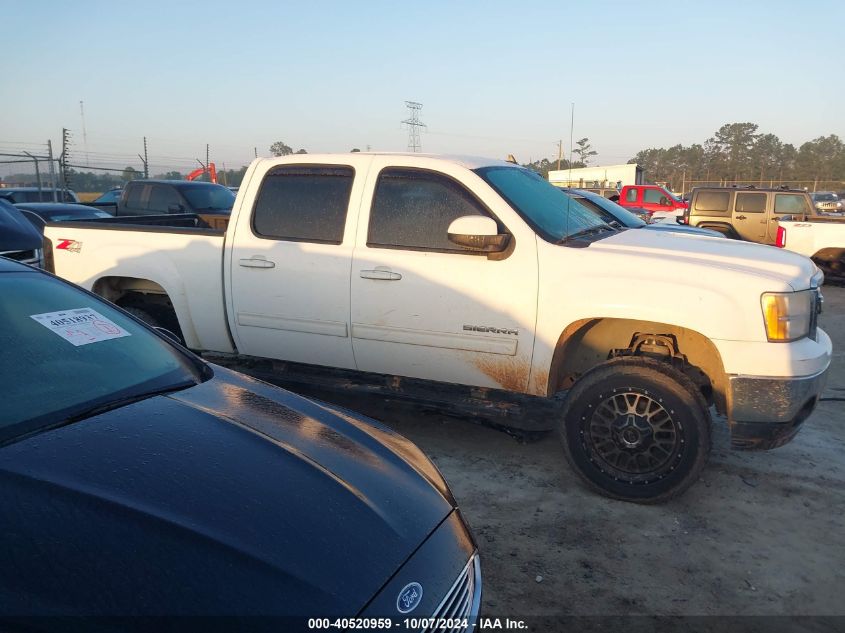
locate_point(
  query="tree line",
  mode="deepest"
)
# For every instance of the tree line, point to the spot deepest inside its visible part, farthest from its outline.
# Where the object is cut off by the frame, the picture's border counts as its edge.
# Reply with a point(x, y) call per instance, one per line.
point(741, 153)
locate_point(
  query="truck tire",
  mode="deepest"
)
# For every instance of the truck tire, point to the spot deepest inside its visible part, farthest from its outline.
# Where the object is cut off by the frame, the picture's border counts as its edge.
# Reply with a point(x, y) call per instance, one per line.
point(155, 318)
point(636, 429)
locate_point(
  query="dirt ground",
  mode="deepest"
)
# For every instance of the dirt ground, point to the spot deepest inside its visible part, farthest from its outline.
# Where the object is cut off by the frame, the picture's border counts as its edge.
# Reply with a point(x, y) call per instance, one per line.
point(760, 534)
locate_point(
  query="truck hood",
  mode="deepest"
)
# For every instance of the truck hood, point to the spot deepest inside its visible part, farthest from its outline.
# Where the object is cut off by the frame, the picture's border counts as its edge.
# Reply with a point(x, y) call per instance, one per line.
point(760, 260)
point(228, 498)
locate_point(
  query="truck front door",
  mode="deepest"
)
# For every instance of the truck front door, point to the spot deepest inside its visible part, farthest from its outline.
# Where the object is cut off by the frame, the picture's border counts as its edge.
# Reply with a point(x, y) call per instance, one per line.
point(289, 265)
point(425, 307)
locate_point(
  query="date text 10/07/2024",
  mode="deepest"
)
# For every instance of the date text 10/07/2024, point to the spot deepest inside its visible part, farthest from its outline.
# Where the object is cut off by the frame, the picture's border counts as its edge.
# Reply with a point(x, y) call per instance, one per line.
point(415, 624)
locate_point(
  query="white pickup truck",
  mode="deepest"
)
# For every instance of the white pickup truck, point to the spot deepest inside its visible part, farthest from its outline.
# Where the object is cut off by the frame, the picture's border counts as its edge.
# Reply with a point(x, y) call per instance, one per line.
point(822, 239)
point(480, 274)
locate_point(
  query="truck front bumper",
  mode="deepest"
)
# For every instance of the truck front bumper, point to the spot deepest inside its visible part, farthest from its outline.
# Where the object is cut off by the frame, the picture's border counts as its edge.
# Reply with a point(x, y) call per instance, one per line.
point(766, 412)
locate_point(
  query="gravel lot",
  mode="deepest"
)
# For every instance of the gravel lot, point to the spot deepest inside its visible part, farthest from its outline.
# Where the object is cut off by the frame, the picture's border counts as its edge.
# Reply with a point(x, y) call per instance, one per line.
point(760, 534)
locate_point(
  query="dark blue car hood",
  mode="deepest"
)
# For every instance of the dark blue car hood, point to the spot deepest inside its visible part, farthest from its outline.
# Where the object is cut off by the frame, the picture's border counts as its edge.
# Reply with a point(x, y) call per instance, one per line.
point(231, 497)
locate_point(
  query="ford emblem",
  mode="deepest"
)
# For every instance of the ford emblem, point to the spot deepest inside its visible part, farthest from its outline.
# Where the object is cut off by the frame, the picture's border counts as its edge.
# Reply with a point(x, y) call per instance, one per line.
point(409, 598)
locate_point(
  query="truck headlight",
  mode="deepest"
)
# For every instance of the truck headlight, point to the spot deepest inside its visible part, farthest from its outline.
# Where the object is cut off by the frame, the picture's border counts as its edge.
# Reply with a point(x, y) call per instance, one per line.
point(788, 315)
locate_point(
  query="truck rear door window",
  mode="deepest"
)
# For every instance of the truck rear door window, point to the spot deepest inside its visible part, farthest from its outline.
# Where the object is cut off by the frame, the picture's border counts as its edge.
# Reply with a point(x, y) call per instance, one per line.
point(713, 201)
point(413, 209)
point(631, 195)
point(303, 204)
point(750, 202)
point(791, 203)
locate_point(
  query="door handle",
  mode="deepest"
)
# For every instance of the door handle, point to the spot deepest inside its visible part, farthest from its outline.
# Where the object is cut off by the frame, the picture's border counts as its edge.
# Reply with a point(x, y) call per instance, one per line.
point(256, 262)
point(740, 217)
point(380, 272)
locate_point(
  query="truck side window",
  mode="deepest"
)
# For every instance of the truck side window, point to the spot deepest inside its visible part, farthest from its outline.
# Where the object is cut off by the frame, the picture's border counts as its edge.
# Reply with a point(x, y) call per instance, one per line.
point(656, 196)
point(791, 203)
point(412, 209)
point(161, 197)
point(750, 202)
point(303, 204)
point(133, 198)
point(631, 195)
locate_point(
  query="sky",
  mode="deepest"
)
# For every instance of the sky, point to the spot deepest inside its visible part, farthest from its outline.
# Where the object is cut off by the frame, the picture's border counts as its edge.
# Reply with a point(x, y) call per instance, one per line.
point(494, 78)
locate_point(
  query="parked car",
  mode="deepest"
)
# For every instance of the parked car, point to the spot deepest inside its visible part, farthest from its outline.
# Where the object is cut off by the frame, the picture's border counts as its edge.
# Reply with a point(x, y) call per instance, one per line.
point(20, 239)
point(655, 199)
point(108, 201)
point(745, 213)
point(826, 202)
point(761, 215)
point(611, 212)
point(137, 479)
point(149, 197)
point(62, 212)
point(34, 194)
point(486, 286)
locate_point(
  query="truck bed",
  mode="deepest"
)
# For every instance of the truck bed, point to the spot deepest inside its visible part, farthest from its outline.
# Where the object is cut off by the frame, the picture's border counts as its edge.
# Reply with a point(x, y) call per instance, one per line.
point(118, 254)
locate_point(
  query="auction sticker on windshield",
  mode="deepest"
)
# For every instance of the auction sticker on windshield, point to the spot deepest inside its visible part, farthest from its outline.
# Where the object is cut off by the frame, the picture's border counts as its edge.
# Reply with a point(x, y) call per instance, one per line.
point(80, 326)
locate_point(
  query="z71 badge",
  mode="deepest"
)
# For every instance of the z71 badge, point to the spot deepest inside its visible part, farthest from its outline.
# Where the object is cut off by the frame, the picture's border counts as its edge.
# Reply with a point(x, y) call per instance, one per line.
point(69, 245)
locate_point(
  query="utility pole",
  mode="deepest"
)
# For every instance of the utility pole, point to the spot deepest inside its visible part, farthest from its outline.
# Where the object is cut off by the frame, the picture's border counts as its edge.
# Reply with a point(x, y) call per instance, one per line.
point(207, 163)
point(559, 153)
point(52, 169)
point(414, 124)
point(64, 158)
point(255, 149)
point(146, 163)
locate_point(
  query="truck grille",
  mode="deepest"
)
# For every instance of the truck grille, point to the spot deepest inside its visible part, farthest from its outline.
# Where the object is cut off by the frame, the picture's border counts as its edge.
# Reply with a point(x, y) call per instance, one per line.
point(463, 599)
point(31, 257)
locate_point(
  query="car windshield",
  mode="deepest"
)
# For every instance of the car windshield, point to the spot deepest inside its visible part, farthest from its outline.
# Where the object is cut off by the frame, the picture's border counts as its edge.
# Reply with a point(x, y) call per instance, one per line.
point(825, 197)
point(553, 214)
point(212, 198)
point(65, 354)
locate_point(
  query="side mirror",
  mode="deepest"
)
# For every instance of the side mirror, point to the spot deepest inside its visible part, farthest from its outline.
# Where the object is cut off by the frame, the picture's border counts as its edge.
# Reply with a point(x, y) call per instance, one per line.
point(478, 233)
point(175, 208)
point(664, 202)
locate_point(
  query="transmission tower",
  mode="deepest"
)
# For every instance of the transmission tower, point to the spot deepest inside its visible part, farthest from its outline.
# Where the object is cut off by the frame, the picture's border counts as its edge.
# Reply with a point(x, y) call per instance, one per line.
point(414, 124)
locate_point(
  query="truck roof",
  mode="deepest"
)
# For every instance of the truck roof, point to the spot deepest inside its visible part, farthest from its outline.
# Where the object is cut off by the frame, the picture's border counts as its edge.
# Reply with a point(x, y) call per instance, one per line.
point(469, 162)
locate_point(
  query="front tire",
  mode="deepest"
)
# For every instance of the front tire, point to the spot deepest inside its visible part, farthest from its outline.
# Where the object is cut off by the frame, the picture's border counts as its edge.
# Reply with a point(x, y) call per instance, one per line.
point(636, 429)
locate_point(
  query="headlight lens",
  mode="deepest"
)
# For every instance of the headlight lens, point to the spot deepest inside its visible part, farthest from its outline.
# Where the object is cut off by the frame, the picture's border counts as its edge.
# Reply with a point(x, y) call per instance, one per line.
point(788, 315)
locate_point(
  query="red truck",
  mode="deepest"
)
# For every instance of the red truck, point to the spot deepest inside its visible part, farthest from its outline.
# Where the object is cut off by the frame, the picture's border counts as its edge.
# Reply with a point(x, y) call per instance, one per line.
point(652, 198)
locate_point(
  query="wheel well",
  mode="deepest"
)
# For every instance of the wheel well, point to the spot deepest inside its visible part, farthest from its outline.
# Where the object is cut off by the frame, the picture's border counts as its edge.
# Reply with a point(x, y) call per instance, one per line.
point(830, 255)
point(139, 293)
point(724, 228)
point(589, 342)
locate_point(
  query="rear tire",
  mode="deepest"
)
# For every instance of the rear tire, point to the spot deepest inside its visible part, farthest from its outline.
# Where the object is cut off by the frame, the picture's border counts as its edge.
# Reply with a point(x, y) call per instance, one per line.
point(156, 317)
point(636, 429)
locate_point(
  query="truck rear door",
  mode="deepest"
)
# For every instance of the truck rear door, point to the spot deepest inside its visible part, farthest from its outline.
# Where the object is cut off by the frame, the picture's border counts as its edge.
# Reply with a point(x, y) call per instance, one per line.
point(427, 308)
point(290, 260)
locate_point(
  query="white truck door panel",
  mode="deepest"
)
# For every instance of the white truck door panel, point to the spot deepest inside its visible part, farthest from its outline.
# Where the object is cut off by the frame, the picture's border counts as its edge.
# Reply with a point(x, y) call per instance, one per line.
point(427, 308)
point(290, 265)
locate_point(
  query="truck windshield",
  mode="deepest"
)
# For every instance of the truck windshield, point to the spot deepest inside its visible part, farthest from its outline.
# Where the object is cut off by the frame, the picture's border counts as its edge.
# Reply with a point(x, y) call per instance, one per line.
point(65, 354)
point(210, 198)
point(550, 212)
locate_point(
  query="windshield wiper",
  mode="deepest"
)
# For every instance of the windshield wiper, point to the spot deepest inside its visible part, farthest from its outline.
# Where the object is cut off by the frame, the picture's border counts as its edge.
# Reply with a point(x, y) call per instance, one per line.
point(585, 232)
point(122, 402)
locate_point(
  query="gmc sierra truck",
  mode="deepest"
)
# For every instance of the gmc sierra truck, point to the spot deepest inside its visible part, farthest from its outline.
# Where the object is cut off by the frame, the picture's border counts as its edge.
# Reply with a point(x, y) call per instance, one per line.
point(478, 275)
